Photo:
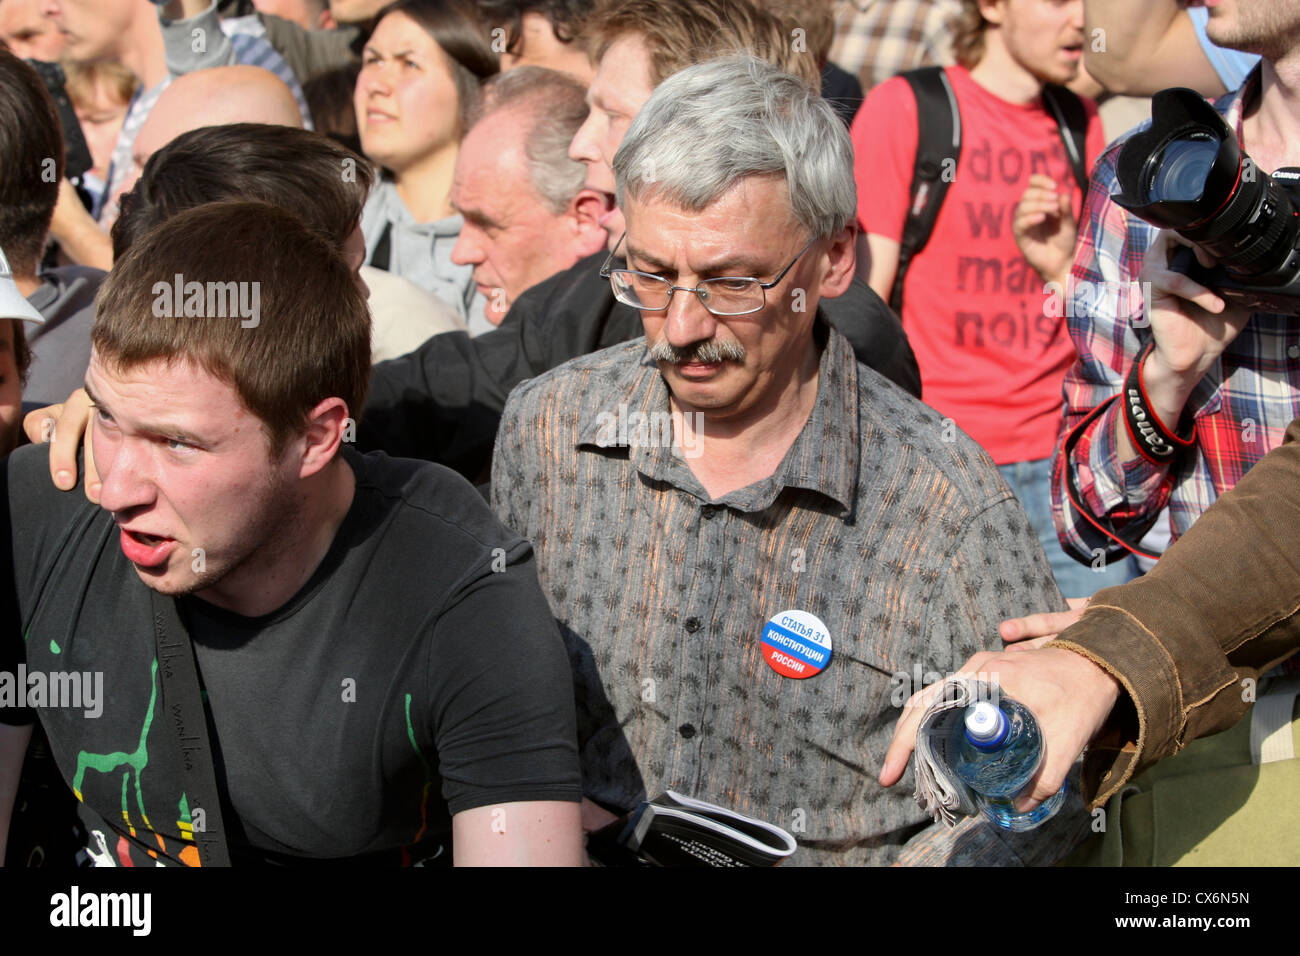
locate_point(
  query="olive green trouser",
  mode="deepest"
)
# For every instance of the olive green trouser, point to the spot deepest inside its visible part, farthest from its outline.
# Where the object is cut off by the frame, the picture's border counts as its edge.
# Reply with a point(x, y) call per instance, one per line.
point(1208, 805)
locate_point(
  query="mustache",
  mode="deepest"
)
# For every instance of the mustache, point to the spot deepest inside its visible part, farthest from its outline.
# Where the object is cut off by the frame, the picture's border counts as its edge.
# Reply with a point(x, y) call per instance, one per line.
point(708, 352)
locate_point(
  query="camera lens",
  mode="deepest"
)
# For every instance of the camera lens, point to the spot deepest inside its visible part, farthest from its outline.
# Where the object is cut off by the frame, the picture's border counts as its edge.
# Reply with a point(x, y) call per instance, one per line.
point(1187, 171)
point(1181, 168)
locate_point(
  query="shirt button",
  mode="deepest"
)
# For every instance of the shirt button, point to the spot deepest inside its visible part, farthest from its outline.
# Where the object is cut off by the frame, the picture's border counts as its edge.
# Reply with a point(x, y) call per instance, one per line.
point(708, 511)
point(687, 730)
point(692, 624)
point(1293, 351)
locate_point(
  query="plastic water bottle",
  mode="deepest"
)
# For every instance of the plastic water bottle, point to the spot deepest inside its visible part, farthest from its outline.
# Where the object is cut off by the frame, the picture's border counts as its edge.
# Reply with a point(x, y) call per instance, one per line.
point(999, 748)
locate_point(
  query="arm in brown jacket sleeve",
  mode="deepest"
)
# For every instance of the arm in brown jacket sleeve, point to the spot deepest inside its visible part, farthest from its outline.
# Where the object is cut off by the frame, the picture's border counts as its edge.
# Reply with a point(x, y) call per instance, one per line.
point(1219, 608)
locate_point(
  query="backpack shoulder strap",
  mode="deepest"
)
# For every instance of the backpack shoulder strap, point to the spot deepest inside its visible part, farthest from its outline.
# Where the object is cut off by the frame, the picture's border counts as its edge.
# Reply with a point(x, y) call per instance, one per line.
point(1072, 121)
point(938, 145)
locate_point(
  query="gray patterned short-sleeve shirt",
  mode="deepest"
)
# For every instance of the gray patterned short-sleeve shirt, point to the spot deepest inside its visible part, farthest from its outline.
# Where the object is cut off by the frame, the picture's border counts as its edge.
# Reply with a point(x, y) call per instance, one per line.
point(884, 521)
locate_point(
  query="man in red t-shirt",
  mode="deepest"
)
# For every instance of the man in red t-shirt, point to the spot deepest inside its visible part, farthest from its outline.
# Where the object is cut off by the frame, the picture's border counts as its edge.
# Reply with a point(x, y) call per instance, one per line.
point(991, 347)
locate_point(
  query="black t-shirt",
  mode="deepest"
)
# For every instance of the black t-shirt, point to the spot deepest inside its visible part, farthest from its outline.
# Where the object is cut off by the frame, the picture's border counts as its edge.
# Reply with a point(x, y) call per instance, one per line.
point(418, 673)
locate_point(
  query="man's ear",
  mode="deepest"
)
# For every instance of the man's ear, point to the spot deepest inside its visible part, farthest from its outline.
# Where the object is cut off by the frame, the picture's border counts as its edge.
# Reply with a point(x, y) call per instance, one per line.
point(585, 210)
point(993, 11)
point(326, 21)
point(328, 427)
point(838, 262)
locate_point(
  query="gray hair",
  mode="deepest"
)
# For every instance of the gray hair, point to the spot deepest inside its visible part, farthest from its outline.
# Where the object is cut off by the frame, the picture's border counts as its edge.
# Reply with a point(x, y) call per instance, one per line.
point(713, 124)
point(552, 105)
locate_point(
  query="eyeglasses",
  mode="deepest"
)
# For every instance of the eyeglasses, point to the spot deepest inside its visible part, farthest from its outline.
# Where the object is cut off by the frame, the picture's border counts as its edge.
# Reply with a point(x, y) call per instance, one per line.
point(725, 295)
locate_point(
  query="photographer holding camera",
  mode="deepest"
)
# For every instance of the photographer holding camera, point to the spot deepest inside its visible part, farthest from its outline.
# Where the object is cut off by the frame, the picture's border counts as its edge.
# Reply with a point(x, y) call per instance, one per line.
point(1175, 394)
point(1179, 389)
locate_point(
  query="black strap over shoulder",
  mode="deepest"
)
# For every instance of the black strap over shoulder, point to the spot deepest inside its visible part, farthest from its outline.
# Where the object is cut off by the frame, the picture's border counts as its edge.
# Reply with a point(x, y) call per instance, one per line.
point(185, 714)
point(938, 146)
point(1072, 122)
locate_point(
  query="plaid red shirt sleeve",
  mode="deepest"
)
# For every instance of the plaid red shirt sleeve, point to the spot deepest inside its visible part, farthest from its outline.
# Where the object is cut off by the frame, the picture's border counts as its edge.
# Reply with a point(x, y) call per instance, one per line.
point(1240, 409)
point(1104, 314)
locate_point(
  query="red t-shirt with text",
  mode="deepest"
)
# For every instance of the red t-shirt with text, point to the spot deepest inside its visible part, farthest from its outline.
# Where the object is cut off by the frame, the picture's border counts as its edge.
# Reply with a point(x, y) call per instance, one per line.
point(990, 357)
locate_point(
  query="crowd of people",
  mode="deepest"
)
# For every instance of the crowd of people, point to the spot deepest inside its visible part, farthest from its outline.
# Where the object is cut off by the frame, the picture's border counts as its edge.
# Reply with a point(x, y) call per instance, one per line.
point(471, 420)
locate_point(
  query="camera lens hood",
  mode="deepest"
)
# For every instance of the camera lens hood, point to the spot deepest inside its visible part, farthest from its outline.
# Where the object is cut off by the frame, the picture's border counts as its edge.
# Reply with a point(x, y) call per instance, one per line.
point(1179, 119)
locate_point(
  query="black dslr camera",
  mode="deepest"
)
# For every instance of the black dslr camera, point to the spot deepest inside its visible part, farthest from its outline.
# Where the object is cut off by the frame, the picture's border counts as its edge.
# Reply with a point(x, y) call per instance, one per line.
point(1187, 172)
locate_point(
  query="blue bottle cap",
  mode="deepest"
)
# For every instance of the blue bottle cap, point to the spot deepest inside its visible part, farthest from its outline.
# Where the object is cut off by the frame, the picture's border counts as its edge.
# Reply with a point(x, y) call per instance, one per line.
point(986, 726)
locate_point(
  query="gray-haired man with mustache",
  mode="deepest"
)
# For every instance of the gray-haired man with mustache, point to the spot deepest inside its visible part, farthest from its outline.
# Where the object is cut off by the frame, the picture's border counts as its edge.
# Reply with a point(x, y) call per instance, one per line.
point(745, 592)
point(708, 352)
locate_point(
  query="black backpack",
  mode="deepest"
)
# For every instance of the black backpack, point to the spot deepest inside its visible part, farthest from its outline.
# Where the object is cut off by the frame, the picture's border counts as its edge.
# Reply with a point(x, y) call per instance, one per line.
point(938, 146)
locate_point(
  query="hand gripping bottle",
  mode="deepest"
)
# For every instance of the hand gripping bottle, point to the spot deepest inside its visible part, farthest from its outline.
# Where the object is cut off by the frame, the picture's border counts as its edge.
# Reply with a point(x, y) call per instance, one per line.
point(999, 749)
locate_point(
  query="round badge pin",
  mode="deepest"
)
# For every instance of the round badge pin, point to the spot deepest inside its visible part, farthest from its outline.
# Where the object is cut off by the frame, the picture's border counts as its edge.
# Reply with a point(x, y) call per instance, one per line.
point(796, 644)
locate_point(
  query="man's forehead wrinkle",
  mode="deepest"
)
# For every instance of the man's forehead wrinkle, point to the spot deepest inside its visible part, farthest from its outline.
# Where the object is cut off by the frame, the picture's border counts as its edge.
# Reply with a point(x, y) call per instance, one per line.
point(474, 215)
point(94, 399)
point(670, 236)
point(675, 195)
point(700, 249)
point(476, 201)
point(733, 263)
point(456, 197)
point(603, 93)
point(160, 415)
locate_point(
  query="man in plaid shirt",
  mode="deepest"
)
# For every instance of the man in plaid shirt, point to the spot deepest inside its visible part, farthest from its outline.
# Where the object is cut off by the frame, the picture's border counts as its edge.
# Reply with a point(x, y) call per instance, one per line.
point(1229, 380)
point(877, 39)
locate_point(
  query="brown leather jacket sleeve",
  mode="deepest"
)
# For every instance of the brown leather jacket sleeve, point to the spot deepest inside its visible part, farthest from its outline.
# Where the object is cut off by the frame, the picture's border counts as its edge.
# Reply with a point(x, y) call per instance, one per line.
point(1188, 641)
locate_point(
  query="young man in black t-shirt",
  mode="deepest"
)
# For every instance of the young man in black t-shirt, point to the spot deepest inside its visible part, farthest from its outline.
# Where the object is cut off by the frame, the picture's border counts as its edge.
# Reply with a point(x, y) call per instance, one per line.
point(381, 674)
